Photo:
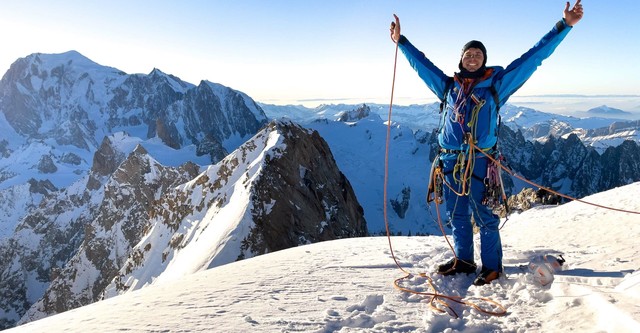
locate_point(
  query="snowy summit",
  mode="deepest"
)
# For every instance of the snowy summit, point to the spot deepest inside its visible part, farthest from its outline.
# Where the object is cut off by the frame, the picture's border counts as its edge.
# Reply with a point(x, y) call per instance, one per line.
point(608, 111)
point(347, 285)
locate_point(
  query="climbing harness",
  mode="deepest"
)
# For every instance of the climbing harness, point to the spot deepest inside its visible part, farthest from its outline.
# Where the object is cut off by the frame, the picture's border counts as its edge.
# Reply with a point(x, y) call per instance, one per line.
point(494, 186)
point(434, 190)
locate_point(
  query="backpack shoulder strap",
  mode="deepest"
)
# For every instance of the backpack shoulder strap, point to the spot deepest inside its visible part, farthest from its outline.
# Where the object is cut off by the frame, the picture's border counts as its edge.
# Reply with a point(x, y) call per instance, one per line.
point(496, 99)
point(447, 88)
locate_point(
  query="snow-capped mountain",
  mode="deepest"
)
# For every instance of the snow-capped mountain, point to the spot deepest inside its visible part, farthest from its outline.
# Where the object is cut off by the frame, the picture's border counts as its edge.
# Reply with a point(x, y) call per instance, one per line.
point(599, 130)
point(596, 129)
point(59, 107)
point(563, 163)
point(111, 182)
point(55, 110)
point(608, 111)
point(70, 100)
point(278, 190)
point(68, 126)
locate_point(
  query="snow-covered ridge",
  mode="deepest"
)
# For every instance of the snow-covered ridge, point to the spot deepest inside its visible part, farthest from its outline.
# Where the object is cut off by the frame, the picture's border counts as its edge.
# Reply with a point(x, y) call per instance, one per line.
point(55, 110)
point(346, 285)
point(225, 214)
point(206, 218)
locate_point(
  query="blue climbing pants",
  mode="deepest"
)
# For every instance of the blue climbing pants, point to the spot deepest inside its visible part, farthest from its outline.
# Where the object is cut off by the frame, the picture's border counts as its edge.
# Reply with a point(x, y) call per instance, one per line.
point(459, 210)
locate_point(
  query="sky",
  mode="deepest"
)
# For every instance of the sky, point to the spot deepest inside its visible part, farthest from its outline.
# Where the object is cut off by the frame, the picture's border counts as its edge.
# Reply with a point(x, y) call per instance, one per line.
point(331, 51)
point(347, 285)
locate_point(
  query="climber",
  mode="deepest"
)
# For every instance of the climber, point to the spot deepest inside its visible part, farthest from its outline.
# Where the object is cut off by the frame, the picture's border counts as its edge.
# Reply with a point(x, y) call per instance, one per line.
point(471, 100)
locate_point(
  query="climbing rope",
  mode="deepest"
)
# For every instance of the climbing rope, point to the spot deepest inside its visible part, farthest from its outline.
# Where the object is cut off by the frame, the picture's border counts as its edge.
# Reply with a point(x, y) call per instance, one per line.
point(438, 302)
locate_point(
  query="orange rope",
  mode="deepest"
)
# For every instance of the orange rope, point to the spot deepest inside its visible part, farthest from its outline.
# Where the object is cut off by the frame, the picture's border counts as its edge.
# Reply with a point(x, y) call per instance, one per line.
point(436, 297)
point(386, 161)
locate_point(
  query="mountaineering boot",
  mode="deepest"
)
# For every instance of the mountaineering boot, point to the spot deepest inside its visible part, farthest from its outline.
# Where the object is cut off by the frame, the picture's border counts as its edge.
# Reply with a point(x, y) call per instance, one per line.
point(486, 276)
point(452, 267)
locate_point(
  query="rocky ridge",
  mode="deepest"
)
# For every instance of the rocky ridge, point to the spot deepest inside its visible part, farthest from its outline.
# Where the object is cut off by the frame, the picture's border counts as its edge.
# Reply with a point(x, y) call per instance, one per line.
point(280, 189)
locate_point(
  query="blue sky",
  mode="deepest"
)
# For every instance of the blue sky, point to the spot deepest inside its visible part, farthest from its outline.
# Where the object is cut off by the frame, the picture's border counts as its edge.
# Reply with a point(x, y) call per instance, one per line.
point(310, 52)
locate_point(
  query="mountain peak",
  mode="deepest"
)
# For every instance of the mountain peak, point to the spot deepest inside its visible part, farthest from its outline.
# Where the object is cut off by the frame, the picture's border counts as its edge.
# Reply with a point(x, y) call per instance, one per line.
point(606, 110)
point(49, 61)
point(280, 189)
point(359, 113)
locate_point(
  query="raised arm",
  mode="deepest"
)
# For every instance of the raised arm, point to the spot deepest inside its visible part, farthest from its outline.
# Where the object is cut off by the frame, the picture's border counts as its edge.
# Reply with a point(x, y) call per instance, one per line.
point(432, 76)
point(520, 70)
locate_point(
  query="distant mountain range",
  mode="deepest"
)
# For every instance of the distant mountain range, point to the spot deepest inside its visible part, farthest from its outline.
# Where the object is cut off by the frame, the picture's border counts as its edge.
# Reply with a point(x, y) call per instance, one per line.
point(95, 160)
point(545, 148)
point(596, 130)
point(108, 180)
point(605, 110)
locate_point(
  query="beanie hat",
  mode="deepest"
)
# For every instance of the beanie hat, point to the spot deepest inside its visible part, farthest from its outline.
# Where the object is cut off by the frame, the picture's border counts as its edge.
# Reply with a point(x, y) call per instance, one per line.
point(474, 44)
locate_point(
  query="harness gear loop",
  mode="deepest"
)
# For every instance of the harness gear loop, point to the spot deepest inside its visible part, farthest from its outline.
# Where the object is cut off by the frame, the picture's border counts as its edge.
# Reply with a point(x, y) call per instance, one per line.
point(494, 187)
point(436, 177)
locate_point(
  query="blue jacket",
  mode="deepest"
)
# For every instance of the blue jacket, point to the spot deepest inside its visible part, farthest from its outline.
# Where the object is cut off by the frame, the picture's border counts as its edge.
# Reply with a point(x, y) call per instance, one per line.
point(505, 81)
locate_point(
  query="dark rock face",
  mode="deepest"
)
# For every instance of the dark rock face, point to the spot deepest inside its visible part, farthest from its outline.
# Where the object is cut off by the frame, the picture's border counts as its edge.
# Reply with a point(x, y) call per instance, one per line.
point(43, 187)
point(46, 165)
point(354, 115)
point(69, 98)
point(298, 197)
point(218, 114)
point(561, 161)
point(212, 147)
point(401, 203)
point(86, 254)
point(71, 158)
point(302, 197)
point(168, 133)
point(4, 151)
point(106, 159)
